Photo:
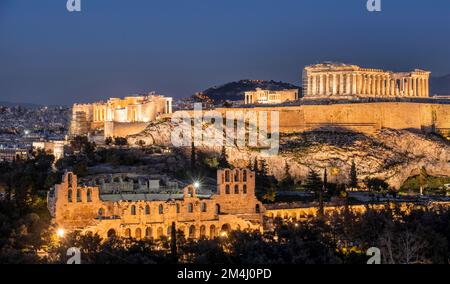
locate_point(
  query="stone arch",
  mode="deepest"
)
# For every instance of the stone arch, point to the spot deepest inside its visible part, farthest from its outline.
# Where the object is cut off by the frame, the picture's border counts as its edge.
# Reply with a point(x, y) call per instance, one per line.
point(148, 233)
point(192, 232)
point(236, 189)
point(226, 228)
point(212, 231)
point(101, 213)
point(69, 195)
point(236, 176)
point(127, 233)
point(227, 189)
point(111, 233)
point(204, 207)
point(160, 233)
point(202, 231)
point(217, 209)
point(138, 233)
point(89, 195)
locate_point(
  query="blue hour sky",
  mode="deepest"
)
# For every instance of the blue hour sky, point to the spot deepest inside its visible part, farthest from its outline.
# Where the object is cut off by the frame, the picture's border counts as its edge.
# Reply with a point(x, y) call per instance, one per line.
point(177, 47)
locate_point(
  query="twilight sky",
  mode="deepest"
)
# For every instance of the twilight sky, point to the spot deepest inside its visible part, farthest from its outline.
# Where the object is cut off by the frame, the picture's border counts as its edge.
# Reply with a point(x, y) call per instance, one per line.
point(177, 47)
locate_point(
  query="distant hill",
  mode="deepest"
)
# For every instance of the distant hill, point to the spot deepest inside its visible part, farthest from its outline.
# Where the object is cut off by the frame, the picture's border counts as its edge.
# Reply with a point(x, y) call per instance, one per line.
point(234, 91)
point(25, 105)
point(440, 85)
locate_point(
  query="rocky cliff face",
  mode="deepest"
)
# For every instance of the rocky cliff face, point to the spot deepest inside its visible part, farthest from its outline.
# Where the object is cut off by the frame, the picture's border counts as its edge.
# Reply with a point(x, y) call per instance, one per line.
point(391, 155)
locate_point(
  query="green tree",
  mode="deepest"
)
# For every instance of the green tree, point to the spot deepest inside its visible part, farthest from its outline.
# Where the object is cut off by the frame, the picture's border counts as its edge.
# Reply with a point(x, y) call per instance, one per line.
point(353, 176)
point(223, 159)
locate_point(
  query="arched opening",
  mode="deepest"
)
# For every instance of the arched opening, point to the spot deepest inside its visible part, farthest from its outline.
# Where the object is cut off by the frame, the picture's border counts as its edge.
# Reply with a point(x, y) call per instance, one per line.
point(89, 195)
point(159, 233)
point(204, 207)
point(192, 232)
point(236, 176)
point(258, 209)
point(78, 195)
point(217, 209)
point(69, 195)
point(148, 233)
point(226, 228)
point(138, 234)
point(127, 233)
point(190, 208)
point(227, 189)
point(160, 209)
point(244, 189)
point(244, 176)
point(178, 208)
point(236, 189)
point(227, 176)
point(169, 231)
point(111, 233)
point(101, 213)
point(202, 231)
point(212, 231)
point(133, 210)
point(147, 210)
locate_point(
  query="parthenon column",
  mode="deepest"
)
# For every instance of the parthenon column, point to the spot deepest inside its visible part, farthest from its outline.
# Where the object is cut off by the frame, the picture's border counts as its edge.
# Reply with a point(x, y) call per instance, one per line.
point(321, 84)
point(334, 84)
point(314, 86)
point(354, 84)
point(341, 84)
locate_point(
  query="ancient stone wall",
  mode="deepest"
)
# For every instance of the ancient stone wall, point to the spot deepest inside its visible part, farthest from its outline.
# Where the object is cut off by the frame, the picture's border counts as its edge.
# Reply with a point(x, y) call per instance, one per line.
point(85, 209)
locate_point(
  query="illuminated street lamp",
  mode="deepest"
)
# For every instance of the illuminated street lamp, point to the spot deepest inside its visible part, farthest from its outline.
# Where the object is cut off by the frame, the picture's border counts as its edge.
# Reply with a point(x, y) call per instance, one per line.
point(60, 233)
point(197, 184)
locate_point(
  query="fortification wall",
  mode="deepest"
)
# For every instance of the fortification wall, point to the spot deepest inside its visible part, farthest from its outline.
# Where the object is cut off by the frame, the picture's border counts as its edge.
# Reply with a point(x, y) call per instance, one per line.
point(123, 129)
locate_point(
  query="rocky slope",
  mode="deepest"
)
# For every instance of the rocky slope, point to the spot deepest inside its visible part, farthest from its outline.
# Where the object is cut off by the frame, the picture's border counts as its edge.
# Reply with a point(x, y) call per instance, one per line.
point(391, 155)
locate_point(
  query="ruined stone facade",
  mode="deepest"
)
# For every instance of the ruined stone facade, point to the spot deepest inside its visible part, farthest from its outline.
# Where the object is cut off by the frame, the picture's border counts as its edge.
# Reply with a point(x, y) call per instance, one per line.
point(343, 81)
point(270, 97)
point(232, 206)
point(136, 112)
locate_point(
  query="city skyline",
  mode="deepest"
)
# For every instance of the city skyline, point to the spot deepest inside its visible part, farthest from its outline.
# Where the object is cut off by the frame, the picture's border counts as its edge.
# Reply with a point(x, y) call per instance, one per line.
point(113, 49)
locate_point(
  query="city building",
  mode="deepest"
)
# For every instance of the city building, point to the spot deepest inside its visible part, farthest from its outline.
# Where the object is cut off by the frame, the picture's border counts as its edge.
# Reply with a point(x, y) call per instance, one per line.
point(141, 212)
point(343, 81)
point(134, 112)
point(55, 148)
point(12, 154)
point(260, 96)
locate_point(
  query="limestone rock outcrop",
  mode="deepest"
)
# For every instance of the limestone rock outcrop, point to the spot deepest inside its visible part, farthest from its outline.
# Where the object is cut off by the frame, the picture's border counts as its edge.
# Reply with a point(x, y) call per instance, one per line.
point(391, 155)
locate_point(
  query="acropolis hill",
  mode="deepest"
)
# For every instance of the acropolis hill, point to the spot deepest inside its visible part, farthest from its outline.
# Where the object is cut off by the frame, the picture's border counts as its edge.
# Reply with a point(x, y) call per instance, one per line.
point(337, 97)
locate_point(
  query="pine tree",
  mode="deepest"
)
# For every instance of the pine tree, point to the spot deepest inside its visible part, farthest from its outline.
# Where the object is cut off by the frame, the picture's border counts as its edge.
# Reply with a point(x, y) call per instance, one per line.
point(353, 176)
point(193, 157)
point(313, 181)
point(173, 243)
point(223, 160)
point(288, 181)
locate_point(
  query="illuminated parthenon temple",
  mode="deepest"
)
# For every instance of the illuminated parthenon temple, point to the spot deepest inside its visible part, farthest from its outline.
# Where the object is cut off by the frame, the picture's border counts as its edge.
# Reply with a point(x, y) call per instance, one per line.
point(337, 80)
